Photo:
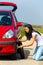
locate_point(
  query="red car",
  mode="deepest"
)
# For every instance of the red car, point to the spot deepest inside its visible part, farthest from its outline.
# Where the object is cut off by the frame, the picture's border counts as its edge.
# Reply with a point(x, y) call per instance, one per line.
point(8, 31)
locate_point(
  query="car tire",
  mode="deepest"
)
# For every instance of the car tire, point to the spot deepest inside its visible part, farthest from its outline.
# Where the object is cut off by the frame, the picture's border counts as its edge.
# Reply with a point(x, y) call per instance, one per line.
point(21, 51)
point(13, 56)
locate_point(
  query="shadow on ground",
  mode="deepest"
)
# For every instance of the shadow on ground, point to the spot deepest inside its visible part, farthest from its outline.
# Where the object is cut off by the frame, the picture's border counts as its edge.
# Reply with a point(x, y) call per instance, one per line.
point(27, 52)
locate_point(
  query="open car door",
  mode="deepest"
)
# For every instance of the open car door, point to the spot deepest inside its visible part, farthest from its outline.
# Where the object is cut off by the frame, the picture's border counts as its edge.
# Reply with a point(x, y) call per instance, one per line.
point(8, 6)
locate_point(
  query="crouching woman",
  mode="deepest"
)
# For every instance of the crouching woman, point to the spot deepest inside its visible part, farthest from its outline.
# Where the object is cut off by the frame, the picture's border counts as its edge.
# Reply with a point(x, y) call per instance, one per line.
point(32, 36)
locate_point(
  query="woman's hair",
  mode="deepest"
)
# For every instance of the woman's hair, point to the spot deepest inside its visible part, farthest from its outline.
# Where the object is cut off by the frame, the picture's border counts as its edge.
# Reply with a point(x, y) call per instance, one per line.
point(29, 35)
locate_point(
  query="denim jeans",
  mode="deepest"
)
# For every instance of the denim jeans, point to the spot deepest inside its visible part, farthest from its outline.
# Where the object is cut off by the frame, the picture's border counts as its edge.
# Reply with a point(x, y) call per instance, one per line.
point(38, 53)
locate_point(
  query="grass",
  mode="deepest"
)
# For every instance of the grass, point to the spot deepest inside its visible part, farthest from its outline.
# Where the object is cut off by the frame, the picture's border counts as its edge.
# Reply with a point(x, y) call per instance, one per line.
point(21, 32)
point(40, 30)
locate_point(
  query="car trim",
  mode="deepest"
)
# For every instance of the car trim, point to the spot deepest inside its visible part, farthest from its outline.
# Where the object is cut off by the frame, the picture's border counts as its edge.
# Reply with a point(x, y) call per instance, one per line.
point(7, 42)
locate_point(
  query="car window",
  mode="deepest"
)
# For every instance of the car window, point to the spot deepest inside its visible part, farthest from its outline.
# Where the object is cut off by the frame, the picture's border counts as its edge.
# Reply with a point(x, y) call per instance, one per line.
point(5, 18)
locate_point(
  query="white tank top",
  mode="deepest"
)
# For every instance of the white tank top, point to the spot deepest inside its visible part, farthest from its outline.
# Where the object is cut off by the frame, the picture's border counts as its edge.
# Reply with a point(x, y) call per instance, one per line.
point(39, 39)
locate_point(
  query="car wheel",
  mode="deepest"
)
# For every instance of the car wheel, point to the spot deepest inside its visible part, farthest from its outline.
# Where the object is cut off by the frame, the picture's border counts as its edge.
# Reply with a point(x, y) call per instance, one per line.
point(13, 56)
point(20, 51)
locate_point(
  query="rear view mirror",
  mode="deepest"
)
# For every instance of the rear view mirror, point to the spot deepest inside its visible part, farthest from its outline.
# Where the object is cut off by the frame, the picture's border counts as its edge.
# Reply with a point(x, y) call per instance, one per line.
point(18, 24)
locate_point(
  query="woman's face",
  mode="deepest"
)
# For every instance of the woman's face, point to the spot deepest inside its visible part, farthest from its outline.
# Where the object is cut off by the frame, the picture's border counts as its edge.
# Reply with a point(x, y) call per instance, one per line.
point(26, 29)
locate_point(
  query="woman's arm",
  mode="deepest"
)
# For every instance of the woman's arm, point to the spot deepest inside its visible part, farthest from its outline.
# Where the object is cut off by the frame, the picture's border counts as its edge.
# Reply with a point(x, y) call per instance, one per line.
point(23, 39)
point(30, 42)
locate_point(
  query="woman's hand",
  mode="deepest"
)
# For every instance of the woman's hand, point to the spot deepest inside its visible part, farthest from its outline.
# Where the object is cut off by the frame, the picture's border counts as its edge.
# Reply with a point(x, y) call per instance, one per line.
point(20, 46)
point(17, 40)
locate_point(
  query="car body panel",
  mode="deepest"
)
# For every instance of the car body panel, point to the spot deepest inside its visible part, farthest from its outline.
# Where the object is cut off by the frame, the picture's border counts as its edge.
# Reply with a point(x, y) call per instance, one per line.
point(8, 45)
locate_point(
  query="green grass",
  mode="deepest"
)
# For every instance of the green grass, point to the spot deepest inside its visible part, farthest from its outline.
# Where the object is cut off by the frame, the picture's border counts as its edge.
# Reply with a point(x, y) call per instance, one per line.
point(40, 30)
point(21, 32)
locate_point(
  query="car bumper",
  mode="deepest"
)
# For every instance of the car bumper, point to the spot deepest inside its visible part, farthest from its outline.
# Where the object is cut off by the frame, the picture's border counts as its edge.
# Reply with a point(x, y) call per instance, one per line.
point(7, 42)
point(10, 54)
point(7, 47)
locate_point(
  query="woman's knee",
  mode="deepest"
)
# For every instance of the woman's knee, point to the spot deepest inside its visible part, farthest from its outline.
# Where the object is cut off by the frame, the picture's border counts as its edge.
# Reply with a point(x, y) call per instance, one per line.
point(34, 57)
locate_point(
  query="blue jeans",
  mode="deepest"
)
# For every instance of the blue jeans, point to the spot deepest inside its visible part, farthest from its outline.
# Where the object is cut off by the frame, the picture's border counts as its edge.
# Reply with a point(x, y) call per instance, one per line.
point(38, 53)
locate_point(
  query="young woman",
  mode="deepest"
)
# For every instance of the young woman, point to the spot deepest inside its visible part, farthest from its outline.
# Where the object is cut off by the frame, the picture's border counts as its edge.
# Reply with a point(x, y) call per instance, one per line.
point(32, 36)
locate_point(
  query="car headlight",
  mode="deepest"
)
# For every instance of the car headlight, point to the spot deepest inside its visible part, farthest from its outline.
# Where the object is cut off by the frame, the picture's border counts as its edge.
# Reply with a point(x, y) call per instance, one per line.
point(9, 34)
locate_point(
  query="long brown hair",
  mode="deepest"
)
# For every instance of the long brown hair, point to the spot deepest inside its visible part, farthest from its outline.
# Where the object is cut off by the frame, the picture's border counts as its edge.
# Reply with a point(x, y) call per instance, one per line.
point(29, 35)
